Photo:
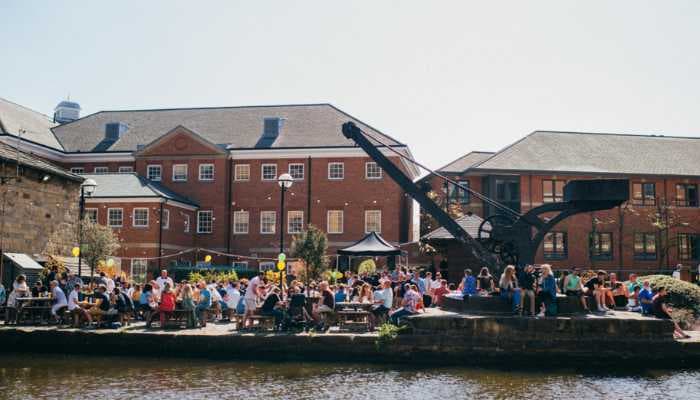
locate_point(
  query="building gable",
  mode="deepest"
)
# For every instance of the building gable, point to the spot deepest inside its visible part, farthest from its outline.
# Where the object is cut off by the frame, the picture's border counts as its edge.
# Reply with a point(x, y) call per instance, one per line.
point(180, 142)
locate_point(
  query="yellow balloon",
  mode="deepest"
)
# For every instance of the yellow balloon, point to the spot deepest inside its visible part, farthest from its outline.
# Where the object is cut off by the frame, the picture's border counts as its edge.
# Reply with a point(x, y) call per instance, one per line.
point(75, 251)
point(110, 262)
point(280, 265)
point(207, 258)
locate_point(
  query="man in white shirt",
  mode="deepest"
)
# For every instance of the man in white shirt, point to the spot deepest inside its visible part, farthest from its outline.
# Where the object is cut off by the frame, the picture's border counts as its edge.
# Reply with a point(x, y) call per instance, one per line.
point(251, 296)
point(163, 279)
point(74, 307)
point(677, 272)
point(233, 296)
point(383, 300)
point(59, 298)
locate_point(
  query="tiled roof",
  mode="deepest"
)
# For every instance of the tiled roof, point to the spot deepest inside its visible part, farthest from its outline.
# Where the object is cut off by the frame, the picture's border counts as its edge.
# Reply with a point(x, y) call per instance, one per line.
point(10, 153)
point(314, 125)
point(34, 125)
point(463, 163)
point(470, 223)
point(602, 153)
point(131, 185)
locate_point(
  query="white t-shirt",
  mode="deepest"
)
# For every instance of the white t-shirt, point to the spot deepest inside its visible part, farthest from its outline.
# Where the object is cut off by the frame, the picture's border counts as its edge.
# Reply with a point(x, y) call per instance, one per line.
point(387, 297)
point(73, 300)
point(435, 283)
point(233, 296)
point(109, 284)
point(59, 296)
point(162, 281)
point(251, 291)
point(215, 295)
point(677, 274)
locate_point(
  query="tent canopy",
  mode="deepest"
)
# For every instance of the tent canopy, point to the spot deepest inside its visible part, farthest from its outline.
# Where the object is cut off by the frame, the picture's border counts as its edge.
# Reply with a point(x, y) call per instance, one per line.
point(371, 245)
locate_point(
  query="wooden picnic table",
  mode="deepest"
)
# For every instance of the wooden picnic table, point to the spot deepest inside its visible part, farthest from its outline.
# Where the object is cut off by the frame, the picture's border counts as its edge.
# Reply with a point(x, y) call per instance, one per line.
point(33, 306)
point(353, 320)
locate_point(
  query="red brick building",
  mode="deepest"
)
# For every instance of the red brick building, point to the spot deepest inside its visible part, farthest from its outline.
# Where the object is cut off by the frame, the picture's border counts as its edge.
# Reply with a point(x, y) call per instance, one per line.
point(208, 177)
point(664, 174)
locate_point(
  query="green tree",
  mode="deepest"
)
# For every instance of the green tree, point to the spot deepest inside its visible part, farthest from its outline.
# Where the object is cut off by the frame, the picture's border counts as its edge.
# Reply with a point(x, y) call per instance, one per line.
point(99, 242)
point(311, 246)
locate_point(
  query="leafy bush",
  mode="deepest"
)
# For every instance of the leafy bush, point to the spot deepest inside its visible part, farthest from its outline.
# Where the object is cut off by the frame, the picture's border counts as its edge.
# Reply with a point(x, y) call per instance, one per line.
point(367, 266)
point(209, 276)
point(387, 333)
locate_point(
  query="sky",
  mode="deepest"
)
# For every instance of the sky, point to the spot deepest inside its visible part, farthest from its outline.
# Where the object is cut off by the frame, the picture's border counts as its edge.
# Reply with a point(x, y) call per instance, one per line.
point(445, 77)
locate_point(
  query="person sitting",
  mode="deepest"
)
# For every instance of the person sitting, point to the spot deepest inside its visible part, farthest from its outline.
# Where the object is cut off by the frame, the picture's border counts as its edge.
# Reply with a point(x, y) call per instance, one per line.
point(59, 299)
point(167, 304)
point(340, 294)
point(548, 292)
point(484, 282)
point(468, 285)
point(526, 281)
point(409, 305)
point(273, 306)
point(38, 289)
point(645, 298)
point(632, 283)
point(633, 301)
point(574, 287)
point(595, 288)
point(383, 301)
point(366, 294)
point(508, 286)
point(660, 309)
point(102, 306)
point(203, 304)
point(75, 307)
point(232, 298)
point(19, 289)
point(619, 291)
point(439, 293)
point(327, 306)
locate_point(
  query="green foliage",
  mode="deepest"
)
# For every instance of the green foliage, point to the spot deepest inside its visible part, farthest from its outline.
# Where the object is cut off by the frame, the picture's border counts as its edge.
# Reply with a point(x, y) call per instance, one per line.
point(367, 266)
point(99, 242)
point(387, 333)
point(681, 293)
point(208, 276)
point(51, 263)
point(311, 246)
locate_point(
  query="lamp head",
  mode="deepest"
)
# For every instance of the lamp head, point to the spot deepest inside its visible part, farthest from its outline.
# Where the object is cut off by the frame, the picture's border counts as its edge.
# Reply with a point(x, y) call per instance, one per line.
point(285, 181)
point(89, 186)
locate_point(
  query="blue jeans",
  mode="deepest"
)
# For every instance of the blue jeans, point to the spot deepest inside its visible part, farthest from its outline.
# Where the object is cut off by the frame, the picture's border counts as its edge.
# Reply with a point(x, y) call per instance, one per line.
point(515, 298)
point(395, 317)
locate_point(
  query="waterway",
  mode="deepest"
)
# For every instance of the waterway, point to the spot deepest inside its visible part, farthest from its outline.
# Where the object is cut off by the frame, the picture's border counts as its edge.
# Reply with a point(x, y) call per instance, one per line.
point(48, 377)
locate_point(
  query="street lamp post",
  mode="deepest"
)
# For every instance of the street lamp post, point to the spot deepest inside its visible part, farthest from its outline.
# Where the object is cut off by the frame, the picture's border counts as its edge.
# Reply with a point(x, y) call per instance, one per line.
point(87, 188)
point(285, 181)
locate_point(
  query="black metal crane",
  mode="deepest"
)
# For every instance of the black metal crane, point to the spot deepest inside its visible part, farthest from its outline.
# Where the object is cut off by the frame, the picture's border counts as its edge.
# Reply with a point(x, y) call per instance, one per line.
point(506, 237)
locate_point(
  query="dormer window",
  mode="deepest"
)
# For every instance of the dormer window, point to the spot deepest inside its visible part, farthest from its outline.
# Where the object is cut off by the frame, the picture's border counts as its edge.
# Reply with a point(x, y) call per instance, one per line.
point(114, 130)
point(271, 128)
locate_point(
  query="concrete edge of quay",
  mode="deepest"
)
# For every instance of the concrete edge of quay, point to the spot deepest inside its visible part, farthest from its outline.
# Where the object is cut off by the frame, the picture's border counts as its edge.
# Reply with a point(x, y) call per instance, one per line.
point(423, 349)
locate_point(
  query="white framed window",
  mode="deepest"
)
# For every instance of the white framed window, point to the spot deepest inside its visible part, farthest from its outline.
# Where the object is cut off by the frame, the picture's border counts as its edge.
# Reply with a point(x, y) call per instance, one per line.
point(372, 170)
point(77, 170)
point(139, 267)
point(335, 221)
point(204, 221)
point(115, 217)
point(240, 265)
point(269, 172)
point(240, 222)
point(154, 172)
point(373, 221)
point(267, 266)
point(126, 169)
point(180, 173)
point(296, 170)
point(241, 172)
point(186, 223)
point(140, 217)
point(101, 170)
point(268, 222)
point(165, 219)
point(206, 172)
point(91, 214)
point(295, 221)
point(336, 170)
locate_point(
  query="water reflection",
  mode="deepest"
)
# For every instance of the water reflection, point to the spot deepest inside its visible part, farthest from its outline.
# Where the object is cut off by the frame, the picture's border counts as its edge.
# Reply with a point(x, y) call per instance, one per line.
point(44, 377)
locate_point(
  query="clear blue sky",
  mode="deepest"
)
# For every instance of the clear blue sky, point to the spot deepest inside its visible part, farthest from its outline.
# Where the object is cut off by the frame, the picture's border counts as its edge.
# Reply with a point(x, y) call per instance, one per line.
point(444, 77)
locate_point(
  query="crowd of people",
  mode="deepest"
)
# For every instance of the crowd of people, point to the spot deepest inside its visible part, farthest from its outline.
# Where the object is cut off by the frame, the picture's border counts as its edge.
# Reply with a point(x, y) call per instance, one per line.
point(389, 296)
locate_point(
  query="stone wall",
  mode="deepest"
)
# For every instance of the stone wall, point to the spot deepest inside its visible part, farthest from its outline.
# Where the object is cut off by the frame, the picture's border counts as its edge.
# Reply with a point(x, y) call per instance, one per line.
point(36, 211)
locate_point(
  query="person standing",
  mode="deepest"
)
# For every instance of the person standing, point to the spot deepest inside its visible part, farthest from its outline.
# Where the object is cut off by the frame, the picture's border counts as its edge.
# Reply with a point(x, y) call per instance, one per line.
point(677, 272)
point(163, 279)
point(252, 293)
point(203, 304)
point(59, 298)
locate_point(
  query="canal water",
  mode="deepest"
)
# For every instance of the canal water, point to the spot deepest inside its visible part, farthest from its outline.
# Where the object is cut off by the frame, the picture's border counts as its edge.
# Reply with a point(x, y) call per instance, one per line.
point(68, 377)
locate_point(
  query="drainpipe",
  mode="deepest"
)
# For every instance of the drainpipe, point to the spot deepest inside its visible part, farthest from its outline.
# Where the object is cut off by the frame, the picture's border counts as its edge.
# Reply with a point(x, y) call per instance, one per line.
point(229, 197)
point(308, 192)
point(160, 235)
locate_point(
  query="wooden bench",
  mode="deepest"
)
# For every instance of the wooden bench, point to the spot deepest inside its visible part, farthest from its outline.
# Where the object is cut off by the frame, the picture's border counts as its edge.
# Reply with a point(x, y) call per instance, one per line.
point(32, 313)
point(261, 322)
point(353, 320)
point(175, 319)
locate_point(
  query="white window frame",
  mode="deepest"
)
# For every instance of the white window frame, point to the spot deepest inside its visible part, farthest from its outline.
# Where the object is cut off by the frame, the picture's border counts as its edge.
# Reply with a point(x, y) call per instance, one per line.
point(367, 214)
point(239, 264)
point(160, 172)
point(165, 219)
point(144, 266)
point(186, 223)
point(266, 266)
point(101, 170)
point(367, 165)
point(303, 172)
point(213, 171)
point(262, 172)
point(126, 169)
point(199, 227)
point(77, 170)
point(237, 214)
point(299, 214)
point(236, 172)
point(175, 175)
point(133, 217)
point(331, 165)
point(89, 210)
point(109, 217)
point(328, 222)
point(274, 222)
